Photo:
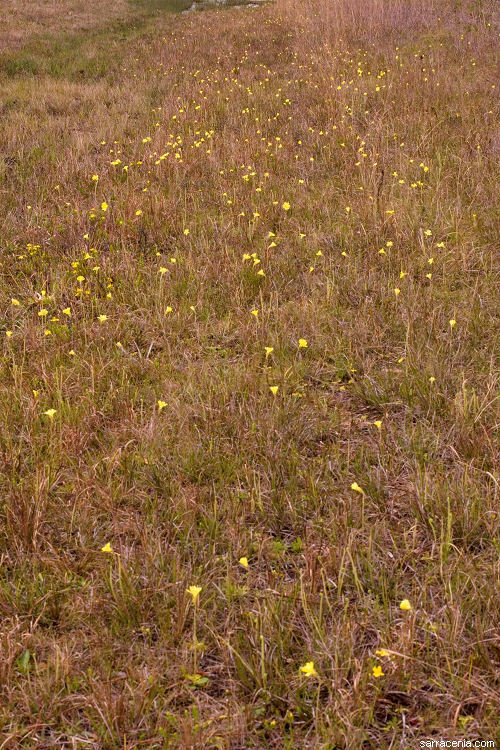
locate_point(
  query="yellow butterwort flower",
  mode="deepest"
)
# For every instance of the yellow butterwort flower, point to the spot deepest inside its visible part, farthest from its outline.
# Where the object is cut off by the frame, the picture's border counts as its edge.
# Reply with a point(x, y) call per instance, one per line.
point(15, 302)
point(243, 561)
point(195, 592)
point(274, 389)
point(355, 486)
point(405, 605)
point(50, 413)
point(104, 206)
point(302, 344)
point(107, 548)
point(269, 350)
point(378, 424)
point(382, 652)
point(308, 669)
point(102, 318)
point(161, 405)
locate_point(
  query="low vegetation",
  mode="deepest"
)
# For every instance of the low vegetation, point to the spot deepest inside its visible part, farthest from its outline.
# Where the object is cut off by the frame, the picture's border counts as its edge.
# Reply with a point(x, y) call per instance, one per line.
point(249, 318)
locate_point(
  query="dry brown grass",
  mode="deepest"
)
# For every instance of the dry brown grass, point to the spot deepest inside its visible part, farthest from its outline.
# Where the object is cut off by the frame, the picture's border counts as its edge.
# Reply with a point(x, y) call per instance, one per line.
point(214, 121)
point(22, 20)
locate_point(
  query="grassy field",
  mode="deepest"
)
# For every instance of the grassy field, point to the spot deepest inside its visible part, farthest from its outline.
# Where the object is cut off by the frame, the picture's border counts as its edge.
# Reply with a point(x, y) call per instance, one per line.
point(249, 333)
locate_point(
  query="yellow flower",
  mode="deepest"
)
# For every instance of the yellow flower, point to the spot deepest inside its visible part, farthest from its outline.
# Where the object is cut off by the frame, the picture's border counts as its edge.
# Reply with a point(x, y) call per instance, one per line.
point(405, 605)
point(397, 291)
point(453, 323)
point(286, 206)
point(107, 548)
point(186, 232)
point(269, 350)
point(67, 312)
point(43, 313)
point(382, 652)
point(355, 486)
point(138, 212)
point(302, 344)
point(103, 318)
point(255, 313)
point(15, 302)
point(274, 389)
point(243, 561)
point(308, 669)
point(50, 413)
point(378, 424)
point(195, 592)
point(377, 671)
point(8, 334)
point(260, 273)
point(104, 206)
point(161, 405)
point(95, 178)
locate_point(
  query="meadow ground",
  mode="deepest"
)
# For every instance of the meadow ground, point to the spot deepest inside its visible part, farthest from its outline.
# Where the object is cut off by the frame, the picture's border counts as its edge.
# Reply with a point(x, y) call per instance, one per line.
point(248, 333)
